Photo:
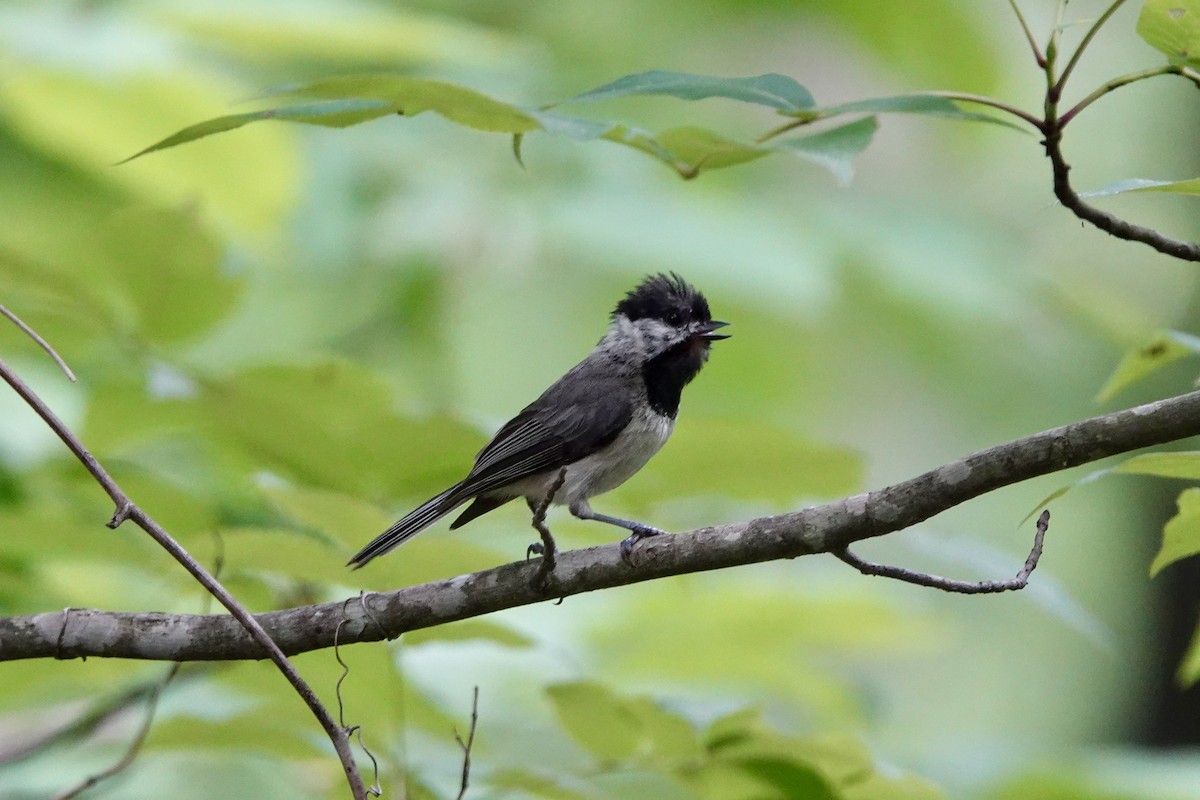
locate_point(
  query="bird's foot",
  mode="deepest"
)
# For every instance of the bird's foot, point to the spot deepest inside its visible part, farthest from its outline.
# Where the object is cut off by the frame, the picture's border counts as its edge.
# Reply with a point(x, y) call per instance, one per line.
point(535, 549)
point(639, 533)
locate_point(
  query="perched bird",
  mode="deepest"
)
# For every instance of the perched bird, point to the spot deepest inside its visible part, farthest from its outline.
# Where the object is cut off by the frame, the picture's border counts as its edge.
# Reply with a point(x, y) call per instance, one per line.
point(602, 421)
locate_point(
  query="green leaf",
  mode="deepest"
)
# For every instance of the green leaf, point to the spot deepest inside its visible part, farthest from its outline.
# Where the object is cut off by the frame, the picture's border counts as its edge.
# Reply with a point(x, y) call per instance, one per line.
point(1184, 465)
point(931, 105)
point(1164, 348)
point(326, 511)
point(773, 90)
point(883, 787)
point(670, 736)
point(835, 149)
point(687, 150)
point(1146, 185)
point(411, 96)
point(170, 269)
point(351, 99)
point(332, 114)
point(597, 719)
point(332, 425)
point(791, 780)
point(526, 782)
point(1189, 669)
point(246, 185)
point(353, 522)
point(1181, 535)
point(1172, 27)
point(732, 729)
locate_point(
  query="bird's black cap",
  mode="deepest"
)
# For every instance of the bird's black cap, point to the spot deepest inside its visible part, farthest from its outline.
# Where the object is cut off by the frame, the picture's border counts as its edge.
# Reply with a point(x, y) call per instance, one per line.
point(667, 297)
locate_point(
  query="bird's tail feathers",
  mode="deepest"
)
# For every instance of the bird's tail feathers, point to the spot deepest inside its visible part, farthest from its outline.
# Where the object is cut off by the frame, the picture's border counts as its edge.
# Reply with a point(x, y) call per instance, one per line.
point(409, 525)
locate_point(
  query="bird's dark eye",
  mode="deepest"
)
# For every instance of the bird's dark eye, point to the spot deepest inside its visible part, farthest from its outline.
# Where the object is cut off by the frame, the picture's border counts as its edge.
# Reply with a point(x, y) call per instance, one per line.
point(674, 318)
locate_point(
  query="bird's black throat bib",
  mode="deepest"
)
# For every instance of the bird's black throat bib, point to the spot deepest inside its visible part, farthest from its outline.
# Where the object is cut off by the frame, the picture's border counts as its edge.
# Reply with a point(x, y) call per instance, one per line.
point(667, 373)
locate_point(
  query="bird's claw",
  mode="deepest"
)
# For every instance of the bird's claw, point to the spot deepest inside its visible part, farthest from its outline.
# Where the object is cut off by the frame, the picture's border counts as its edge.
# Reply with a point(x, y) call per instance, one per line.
point(639, 533)
point(534, 549)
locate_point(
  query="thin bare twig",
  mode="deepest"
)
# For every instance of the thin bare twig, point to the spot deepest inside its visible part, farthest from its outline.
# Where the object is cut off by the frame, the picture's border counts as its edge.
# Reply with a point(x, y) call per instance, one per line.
point(991, 102)
point(1087, 39)
point(1037, 51)
point(1115, 226)
point(1052, 126)
point(32, 334)
point(547, 547)
point(1125, 80)
point(467, 745)
point(127, 509)
point(950, 584)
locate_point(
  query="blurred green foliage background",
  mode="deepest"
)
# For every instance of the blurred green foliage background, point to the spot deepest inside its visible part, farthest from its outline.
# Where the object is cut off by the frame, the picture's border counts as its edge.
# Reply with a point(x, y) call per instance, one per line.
point(286, 336)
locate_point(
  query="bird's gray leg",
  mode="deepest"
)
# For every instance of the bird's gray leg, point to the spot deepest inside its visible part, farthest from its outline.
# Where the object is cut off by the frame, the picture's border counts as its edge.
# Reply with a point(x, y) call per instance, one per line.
point(536, 547)
point(637, 531)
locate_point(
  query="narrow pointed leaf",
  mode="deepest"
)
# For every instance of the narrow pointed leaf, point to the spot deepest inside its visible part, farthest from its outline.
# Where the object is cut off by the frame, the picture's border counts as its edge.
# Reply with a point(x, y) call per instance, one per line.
point(1165, 347)
point(835, 149)
point(597, 719)
point(1189, 669)
point(772, 90)
point(1060, 491)
point(411, 96)
point(930, 105)
point(1191, 186)
point(1172, 27)
point(351, 99)
point(333, 113)
point(1181, 535)
point(1184, 466)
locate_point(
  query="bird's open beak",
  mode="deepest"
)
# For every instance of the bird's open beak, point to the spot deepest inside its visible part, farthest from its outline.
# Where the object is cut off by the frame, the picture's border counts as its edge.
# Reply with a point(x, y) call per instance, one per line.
point(707, 330)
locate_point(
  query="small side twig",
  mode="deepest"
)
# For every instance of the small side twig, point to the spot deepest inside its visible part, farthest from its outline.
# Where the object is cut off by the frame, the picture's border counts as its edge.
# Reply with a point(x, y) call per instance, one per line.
point(1114, 226)
point(547, 547)
point(467, 745)
point(1037, 51)
point(42, 343)
point(1087, 39)
point(950, 584)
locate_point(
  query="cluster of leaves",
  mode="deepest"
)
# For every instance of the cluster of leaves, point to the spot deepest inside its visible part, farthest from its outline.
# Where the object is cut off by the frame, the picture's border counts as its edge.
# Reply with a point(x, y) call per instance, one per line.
point(1169, 26)
point(665, 755)
point(349, 100)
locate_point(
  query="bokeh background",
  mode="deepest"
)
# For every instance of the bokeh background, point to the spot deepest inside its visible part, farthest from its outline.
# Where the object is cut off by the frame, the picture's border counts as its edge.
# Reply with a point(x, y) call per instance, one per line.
point(286, 336)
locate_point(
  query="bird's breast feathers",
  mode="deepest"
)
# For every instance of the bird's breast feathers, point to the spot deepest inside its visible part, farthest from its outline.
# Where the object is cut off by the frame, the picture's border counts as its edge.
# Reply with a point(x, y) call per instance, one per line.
point(607, 468)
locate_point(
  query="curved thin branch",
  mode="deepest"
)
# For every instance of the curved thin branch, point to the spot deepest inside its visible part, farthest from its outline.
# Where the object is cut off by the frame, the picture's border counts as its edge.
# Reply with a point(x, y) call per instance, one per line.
point(1033, 45)
point(950, 584)
point(991, 102)
point(42, 343)
point(1087, 39)
point(1115, 226)
point(821, 529)
point(127, 509)
point(1125, 80)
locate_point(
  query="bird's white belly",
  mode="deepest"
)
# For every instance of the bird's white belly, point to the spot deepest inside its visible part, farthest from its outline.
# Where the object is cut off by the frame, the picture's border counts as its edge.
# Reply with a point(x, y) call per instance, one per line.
point(604, 470)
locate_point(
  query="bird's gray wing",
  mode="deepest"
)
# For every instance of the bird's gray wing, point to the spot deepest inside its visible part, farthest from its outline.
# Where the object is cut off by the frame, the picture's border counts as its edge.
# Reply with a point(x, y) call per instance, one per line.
point(571, 420)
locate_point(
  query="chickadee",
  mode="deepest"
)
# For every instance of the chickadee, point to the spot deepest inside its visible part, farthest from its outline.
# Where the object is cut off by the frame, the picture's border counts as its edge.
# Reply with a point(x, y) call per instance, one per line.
point(602, 421)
